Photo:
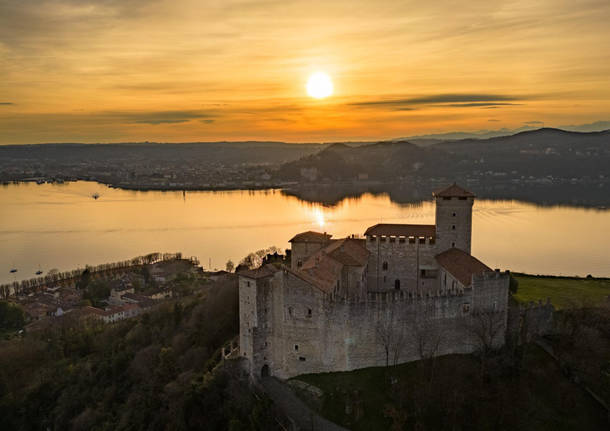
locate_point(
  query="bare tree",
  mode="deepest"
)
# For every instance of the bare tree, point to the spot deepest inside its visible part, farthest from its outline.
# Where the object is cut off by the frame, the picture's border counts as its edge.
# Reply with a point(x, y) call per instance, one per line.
point(390, 334)
point(428, 339)
point(484, 328)
point(230, 265)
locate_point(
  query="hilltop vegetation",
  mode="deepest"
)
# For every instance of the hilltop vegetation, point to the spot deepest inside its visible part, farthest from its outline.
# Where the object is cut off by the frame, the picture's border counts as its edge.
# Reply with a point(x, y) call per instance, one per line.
point(155, 372)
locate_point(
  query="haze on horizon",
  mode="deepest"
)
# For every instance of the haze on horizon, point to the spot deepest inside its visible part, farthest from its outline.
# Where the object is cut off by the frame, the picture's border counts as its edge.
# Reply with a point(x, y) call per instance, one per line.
point(158, 70)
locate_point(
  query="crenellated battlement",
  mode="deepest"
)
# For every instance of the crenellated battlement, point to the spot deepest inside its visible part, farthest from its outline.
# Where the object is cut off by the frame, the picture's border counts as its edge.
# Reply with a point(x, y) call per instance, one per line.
point(407, 241)
point(490, 275)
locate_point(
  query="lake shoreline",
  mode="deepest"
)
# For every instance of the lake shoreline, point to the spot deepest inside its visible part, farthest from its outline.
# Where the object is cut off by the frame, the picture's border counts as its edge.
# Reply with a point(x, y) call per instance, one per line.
point(332, 194)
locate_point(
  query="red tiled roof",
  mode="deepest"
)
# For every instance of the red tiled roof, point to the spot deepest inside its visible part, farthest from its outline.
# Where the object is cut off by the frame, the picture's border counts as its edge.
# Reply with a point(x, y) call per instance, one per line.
point(417, 230)
point(348, 251)
point(453, 191)
point(262, 272)
point(311, 236)
point(325, 272)
point(461, 265)
point(324, 267)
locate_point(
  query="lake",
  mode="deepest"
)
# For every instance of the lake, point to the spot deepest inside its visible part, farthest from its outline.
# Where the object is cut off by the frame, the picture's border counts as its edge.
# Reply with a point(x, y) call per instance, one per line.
point(61, 226)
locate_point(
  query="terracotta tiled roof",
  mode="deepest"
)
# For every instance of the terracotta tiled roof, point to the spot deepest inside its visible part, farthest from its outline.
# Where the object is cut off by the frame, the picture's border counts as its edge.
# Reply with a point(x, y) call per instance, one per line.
point(453, 191)
point(348, 251)
point(417, 230)
point(461, 265)
point(262, 272)
point(325, 272)
point(311, 236)
point(324, 267)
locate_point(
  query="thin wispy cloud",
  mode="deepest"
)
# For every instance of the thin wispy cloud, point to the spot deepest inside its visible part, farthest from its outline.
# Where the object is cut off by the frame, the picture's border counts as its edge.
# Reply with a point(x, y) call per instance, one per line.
point(445, 100)
point(164, 69)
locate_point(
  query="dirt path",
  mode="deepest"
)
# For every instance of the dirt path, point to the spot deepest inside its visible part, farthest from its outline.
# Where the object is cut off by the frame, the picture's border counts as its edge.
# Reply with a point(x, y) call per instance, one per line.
point(304, 417)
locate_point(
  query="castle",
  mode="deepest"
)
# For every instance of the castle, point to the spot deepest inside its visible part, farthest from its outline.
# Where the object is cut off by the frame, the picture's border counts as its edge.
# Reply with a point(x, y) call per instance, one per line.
point(403, 292)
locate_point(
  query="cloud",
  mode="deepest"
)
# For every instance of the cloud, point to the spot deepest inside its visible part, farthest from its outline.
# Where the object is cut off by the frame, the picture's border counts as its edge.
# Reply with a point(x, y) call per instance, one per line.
point(480, 104)
point(156, 117)
point(6, 103)
point(534, 123)
point(450, 100)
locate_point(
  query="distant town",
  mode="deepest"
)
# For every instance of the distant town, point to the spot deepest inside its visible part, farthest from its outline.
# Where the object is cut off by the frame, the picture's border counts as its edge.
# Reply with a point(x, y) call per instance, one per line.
point(544, 166)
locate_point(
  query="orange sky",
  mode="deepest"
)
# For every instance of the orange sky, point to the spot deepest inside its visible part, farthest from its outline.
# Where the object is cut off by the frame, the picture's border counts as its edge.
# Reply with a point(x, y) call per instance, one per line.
point(196, 70)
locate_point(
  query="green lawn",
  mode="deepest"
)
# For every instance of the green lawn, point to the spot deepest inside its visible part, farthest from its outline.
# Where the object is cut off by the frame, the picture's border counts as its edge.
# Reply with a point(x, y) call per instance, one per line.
point(564, 292)
point(456, 397)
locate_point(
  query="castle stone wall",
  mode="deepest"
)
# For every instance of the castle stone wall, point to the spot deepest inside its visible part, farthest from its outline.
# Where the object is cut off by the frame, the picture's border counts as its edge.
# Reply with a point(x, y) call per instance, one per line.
point(404, 259)
point(346, 335)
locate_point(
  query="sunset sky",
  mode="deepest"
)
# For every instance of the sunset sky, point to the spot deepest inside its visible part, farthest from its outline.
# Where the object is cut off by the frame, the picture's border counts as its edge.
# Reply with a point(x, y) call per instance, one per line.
point(197, 70)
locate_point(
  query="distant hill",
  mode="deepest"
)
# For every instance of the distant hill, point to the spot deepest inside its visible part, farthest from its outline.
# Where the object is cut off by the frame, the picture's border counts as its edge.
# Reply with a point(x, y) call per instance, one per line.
point(381, 161)
point(542, 152)
point(227, 153)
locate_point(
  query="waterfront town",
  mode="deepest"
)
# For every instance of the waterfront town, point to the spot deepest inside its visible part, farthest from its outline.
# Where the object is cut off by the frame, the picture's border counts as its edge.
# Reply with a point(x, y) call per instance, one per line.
point(107, 293)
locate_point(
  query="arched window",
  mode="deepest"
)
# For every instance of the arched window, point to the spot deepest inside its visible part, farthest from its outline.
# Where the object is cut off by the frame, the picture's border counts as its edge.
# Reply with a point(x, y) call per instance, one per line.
point(397, 284)
point(385, 266)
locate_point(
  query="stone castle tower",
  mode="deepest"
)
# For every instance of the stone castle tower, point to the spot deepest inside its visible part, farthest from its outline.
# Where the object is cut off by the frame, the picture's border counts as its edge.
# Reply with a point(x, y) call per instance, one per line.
point(453, 218)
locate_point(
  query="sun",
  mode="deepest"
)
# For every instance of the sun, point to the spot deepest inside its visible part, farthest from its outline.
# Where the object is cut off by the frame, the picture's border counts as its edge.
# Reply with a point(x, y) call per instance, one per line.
point(319, 85)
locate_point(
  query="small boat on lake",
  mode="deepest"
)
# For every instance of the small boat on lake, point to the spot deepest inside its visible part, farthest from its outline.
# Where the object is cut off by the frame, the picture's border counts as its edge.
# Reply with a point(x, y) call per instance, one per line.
point(13, 270)
point(95, 196)
point(38, 272)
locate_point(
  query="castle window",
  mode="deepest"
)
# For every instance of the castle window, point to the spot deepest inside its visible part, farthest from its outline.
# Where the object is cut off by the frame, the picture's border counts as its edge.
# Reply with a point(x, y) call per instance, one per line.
point(382, 238)
point(446, 198)
point(466, 308)
point(248, 283)
point(290, 311)
point(385, 278)
point(302, 359)
point(422, 240)
point(299, 263)
point(453, 244)
point(463, 198)
point(411, 240)
point(401, 240)
point(453, 214)
point(385, 266)
point(372, 239)
point(445, 280)
point(453, 227)
point(392, 239)
point(296, 347)
point(397, 284)
point(309, 312)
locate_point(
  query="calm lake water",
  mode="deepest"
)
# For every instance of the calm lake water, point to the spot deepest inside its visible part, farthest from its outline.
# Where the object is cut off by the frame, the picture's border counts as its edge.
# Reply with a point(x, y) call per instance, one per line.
point(62, 226)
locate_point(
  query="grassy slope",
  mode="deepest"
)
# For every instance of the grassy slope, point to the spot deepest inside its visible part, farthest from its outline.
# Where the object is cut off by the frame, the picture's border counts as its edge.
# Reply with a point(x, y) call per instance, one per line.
point(539, 398)
point(564, 291)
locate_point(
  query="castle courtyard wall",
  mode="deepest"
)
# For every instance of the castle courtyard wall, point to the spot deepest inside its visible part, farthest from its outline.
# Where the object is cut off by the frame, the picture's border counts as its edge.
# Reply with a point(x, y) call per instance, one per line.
point(344, 335)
